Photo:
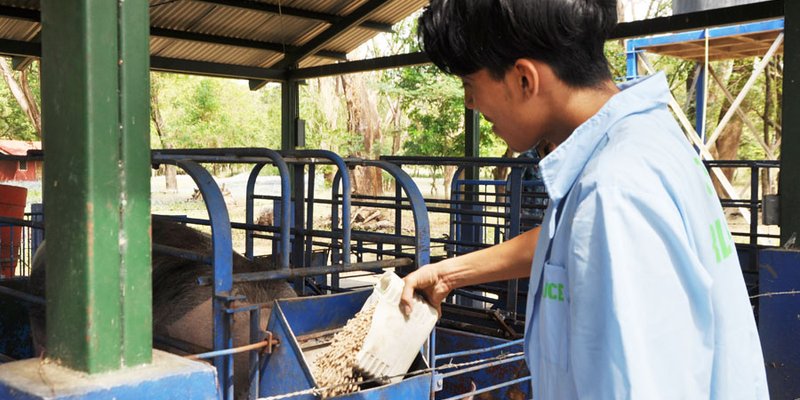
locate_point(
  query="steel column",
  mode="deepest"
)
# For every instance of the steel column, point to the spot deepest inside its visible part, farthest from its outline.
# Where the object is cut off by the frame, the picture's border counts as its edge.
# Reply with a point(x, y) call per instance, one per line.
point(290, 112)
point(472, 133)
point(790, 146)
point(631, 60)
point(700, 103)
point(95, 108)
point(472, 137)
point(134, 236)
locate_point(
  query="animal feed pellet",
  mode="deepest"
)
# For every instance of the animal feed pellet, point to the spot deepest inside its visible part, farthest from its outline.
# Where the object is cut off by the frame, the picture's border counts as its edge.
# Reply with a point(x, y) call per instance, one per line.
point(335, 368)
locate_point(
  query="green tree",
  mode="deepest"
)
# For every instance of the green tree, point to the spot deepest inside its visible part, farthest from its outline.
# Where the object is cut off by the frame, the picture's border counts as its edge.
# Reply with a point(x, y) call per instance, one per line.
point(20, 102)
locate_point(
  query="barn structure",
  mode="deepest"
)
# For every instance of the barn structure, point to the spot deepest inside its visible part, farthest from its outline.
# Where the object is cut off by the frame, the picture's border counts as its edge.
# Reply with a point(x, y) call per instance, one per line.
point(19, 170)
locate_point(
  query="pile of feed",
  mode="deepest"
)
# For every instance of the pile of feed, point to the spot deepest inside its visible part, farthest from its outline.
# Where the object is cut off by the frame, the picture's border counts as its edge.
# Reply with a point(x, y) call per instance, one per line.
point(335, 369)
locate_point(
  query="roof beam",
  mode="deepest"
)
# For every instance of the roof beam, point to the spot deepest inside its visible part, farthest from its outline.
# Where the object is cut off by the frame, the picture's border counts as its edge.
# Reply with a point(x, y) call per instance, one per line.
point(204, 68)
point(699, 19)
point(20, 13)
point(20, 63)
point(351, 67)
point(164, 64)
point(297, 12)
point(316, 43)
point(229, 41)
point(14, 48)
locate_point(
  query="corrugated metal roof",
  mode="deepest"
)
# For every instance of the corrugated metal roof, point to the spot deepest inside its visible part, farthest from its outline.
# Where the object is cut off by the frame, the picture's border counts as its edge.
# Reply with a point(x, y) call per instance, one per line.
point(237, 32)
point(18, 30)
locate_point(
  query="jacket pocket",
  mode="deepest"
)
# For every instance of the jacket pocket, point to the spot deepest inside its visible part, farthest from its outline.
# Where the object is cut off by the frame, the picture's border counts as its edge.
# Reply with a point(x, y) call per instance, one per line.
point(555, 315)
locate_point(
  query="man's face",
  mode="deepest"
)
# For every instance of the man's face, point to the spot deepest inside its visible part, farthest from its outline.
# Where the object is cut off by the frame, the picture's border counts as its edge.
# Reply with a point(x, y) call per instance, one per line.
point(503, 104)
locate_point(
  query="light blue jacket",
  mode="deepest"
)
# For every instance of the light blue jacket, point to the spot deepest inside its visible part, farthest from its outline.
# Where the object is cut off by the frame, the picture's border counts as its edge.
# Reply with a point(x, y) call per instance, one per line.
point(640, 293)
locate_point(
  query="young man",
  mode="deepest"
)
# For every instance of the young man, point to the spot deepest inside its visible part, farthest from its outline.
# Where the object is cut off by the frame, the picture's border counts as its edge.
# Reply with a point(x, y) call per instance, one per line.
point(635, 287)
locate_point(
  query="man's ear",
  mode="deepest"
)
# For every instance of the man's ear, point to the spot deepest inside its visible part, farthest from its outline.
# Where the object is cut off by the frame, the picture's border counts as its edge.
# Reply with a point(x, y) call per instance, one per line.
point(527, 77)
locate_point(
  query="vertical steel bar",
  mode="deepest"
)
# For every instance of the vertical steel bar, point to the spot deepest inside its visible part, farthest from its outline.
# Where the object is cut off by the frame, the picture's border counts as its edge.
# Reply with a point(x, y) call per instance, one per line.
point(473, 232)
point(422, 233)
point(515, 214)
point(631, 61)
point(255, 337)
point(298, 189)
point(754, 189)
point(455, 216)
point(223, 270)
point(472, 134)
point(290, 111)
point(335, 250)
point(249, 209)
point(398, 214)
point(37, 215)
point(700, 104)
point(309, 239)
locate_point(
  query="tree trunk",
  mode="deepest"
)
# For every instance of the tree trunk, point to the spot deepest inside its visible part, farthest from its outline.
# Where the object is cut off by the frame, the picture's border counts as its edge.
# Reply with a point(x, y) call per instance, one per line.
point(394, 119)
point(21, 91)
point(170, 171)
point(765, 174)
point(727, 145)
point(449, 171)
point(363, 119)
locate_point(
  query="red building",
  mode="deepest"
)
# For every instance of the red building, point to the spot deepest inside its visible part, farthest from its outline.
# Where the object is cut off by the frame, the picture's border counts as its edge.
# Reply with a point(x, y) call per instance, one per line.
point(19, 170)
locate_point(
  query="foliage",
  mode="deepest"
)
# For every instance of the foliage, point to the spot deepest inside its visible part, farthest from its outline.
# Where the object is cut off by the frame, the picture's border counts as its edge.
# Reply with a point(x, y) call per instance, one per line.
point(203, 112)
point(14, 123)
point(433, 103)
point(323, 109)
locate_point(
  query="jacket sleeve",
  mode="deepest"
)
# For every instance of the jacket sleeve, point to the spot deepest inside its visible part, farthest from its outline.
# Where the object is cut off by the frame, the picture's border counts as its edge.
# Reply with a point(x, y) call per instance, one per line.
point(641, 322)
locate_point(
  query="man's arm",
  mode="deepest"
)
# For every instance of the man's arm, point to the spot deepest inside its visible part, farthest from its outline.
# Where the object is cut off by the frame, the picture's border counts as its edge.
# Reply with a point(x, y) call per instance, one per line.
point(508, 260)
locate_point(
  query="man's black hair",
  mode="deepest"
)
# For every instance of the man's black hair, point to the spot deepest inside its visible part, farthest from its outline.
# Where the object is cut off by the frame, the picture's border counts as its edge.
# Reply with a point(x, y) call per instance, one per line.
point(464, 36)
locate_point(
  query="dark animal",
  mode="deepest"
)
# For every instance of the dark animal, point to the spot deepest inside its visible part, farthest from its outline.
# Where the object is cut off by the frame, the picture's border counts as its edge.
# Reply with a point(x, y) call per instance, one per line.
point(181, 308)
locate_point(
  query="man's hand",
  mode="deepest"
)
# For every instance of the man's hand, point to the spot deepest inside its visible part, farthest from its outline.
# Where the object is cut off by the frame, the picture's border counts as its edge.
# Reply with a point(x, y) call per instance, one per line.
point(508, 260)
point(429, 283)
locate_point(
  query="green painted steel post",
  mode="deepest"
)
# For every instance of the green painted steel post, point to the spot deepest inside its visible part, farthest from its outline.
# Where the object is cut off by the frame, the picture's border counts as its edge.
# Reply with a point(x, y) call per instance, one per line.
point(95, 109)
point(134, 40)
point(290, 112)
point(472, 130)
point(790, 145)
point(472, 139)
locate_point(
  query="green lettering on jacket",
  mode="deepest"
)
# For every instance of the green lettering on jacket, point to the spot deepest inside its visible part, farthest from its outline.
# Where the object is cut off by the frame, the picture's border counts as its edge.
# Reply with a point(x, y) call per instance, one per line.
point(553, 291)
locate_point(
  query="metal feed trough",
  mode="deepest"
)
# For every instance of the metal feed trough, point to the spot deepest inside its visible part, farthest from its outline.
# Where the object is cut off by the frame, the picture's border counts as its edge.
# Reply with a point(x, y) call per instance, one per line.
point(469, 364)
point(304, 327)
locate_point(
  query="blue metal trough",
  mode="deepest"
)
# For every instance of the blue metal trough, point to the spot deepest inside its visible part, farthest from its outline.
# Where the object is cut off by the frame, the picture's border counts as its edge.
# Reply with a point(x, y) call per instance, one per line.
point(297, 323)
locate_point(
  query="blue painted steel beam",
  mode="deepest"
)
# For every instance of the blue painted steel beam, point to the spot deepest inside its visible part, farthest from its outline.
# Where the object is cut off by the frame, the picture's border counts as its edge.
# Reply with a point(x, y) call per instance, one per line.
point(258, 156)
point(631, 61)
point(700, 104)
point(285, 224)
point(223, 269)
point(422, 229)
point(346, 193)
point(713, 33)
